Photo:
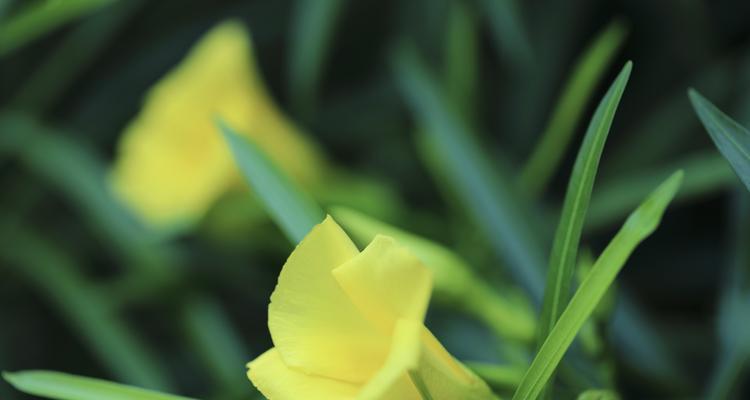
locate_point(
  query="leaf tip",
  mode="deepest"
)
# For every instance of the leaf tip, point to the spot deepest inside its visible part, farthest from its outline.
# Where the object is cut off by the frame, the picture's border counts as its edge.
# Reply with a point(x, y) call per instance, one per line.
point(221, 124)
point(678, 176)
point(11, 377)
point(624, 75)
point(671, 186)
point(227, 132)
point(695, 96)
point(627, 68)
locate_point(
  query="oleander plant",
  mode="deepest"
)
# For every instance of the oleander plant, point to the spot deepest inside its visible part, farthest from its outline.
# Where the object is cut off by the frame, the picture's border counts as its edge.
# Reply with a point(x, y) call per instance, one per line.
point(374, 200)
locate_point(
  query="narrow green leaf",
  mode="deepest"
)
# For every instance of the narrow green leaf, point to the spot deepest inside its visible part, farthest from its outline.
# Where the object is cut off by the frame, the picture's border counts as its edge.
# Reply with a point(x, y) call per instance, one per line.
point(568, 235)
point(486, 194)
point(732, 140)
point(508, 31)
point(455, 282)
point(40, 18)
point(78, 48)
point(291, 208)
point(729, 370)
point(4, 6)
point(86, 309)
point(312, 27)
point(640, 345)
point(589, 69)
point(598, 394)
point(641, 223)
point(61, 386)
point(216, 342)
point(77, 173)
point(498, 376)
point(733, 356)
point(461, 61)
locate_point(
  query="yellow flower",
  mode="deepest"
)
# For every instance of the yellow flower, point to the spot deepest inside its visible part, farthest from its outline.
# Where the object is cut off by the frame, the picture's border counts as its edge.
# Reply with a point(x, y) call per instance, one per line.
point(172, 163)
point(349, 325)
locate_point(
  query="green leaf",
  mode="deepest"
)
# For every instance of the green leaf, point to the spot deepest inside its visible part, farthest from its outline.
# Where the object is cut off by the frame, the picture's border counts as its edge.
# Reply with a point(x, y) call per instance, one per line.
point(84, 307)
point(60, 386)
point(639, 225)
point(488, 197)
point(80, 47)
point(728, 373)
point(486, 194)
point(312, 27)
point(568, 235)
point(215, 340)
point(455, 282)
point(590, 68)
point(508, 31)
point(498, 376)
point(460, 58)
point(81, 177)
point(732, 140)
point(733, 354)
point(40, 18)
point(598, 394)
point(291, 208)
point(640, 344)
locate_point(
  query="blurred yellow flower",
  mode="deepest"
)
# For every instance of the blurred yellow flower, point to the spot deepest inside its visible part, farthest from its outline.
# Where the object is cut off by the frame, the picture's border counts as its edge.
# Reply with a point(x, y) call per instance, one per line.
point(172, 163)
point(349, 325)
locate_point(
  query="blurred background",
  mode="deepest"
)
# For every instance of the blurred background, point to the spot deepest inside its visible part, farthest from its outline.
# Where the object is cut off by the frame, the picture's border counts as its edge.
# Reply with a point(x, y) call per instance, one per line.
point(85, 288)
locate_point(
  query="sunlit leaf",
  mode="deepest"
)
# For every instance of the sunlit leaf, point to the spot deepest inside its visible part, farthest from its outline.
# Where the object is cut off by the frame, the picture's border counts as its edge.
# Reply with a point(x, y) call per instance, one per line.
point(568, 235)
point(639, 225)
point(60, 386)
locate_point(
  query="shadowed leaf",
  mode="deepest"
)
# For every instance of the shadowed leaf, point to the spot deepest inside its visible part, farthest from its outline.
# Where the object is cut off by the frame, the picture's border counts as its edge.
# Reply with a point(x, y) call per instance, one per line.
point(292, 210)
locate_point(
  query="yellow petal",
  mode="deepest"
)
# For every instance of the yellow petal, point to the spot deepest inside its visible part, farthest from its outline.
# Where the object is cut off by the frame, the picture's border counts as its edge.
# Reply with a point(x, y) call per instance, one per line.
point(392, 380)
point(172, 163)
point(278, 382)
point(314, 325)
point(386, 282)
point(445, 377)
